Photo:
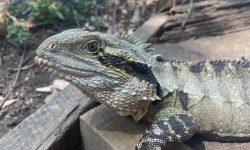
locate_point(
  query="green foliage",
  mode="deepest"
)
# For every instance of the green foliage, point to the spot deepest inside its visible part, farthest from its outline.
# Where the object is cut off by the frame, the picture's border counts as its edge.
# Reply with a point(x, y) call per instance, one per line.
point(79, 9)
point(46, 11)
point(17, 31)
point(43, 11)
point(100, 22)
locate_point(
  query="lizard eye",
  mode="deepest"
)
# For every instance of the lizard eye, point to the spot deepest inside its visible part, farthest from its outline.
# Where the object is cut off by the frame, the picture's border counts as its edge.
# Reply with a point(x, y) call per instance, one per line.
point(92, 46)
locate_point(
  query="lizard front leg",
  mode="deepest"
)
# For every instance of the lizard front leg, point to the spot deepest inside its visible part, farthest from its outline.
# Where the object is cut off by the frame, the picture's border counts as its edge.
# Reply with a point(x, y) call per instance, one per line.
point(175, 128)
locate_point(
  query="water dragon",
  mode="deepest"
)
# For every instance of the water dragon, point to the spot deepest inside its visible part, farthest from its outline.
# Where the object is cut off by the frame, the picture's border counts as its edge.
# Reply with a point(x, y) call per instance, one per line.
point(178, 98)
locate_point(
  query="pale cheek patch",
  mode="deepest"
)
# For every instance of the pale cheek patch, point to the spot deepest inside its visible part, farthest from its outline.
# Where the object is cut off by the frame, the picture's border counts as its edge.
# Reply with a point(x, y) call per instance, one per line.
point(174, 129)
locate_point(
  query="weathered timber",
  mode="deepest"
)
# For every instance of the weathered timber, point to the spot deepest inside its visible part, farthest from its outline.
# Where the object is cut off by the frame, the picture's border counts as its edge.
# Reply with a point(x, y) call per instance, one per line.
point(150, 27)
point(102, 128)
point(230, 46)
point(208, 18)
point(52, 127)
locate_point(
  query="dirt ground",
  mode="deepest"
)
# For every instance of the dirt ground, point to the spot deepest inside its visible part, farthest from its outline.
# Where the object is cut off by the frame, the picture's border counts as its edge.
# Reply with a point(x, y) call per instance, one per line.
point(24, 99)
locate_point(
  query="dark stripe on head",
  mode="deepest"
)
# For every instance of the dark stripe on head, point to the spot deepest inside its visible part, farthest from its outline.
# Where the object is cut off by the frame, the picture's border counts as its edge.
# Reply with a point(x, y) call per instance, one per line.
point(136, 69)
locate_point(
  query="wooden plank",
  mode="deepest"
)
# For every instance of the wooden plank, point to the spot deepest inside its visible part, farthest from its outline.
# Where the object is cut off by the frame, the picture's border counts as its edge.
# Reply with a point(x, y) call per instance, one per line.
point(150, 27)
point(102, 128)
point(230, 46)
point(45, 128)
point(208, 18)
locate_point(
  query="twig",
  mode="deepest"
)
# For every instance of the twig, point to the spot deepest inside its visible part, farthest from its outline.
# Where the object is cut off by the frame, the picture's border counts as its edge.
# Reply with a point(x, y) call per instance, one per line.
point(15, 81)
point(76, 19)
point(174, 4)
point(59, 28)
point(22, 68)
point(113, 19)
point(183, 25)
point(9, 41)
point(1, 62)
point(96, 15)
point(11, 88)
point(13, 18)
point(28, 58)
point(36, 25)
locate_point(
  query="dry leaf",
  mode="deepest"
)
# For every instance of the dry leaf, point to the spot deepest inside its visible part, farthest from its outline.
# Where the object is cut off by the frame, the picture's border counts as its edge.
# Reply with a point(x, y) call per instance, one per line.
point(47, 89)
point(9, 102)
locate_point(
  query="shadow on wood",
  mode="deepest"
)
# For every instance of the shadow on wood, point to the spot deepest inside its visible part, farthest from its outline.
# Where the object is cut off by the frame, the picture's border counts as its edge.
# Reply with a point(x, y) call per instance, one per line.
point(102, 128)
point(54, 126)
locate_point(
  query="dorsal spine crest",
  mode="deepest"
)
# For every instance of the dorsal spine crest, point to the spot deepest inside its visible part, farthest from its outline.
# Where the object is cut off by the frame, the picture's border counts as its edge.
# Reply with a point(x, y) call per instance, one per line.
point(134, 40)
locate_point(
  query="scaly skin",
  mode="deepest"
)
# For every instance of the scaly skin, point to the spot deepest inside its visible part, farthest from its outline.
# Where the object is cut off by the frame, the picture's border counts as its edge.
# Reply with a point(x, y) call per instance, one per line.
point(179, 99)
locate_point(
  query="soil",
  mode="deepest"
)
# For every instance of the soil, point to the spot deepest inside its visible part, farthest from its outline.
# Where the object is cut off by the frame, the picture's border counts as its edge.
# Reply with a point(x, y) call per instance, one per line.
point(24, 99)
point(27, 100)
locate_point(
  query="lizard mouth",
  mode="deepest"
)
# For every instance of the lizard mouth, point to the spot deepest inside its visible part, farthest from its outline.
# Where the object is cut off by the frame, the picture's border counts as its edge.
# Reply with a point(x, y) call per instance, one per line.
point(49, 66)
point(137, 110)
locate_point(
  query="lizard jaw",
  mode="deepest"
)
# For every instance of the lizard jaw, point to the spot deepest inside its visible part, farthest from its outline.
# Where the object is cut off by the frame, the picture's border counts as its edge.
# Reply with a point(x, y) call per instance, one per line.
point(49, 66)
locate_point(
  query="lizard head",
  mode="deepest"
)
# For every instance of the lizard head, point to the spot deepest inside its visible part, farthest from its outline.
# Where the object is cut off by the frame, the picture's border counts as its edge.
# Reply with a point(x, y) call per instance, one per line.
point(114, 70)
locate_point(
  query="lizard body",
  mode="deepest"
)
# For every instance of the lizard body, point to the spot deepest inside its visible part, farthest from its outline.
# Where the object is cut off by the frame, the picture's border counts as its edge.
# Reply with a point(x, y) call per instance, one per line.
point(179, 99)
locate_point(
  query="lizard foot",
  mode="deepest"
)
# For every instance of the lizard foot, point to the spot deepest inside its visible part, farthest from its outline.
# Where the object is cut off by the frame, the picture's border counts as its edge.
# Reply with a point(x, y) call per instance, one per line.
point(174, 129)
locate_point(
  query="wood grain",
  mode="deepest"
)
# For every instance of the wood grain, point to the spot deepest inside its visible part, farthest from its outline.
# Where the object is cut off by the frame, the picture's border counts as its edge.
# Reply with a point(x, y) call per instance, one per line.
point(102, 128)
point(208, 18)
point(46, 128)
point(150, 27)
point(230, 46)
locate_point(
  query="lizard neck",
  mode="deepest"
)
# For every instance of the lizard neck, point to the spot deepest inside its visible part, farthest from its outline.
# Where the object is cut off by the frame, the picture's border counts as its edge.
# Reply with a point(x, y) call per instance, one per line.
point(168, 74)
